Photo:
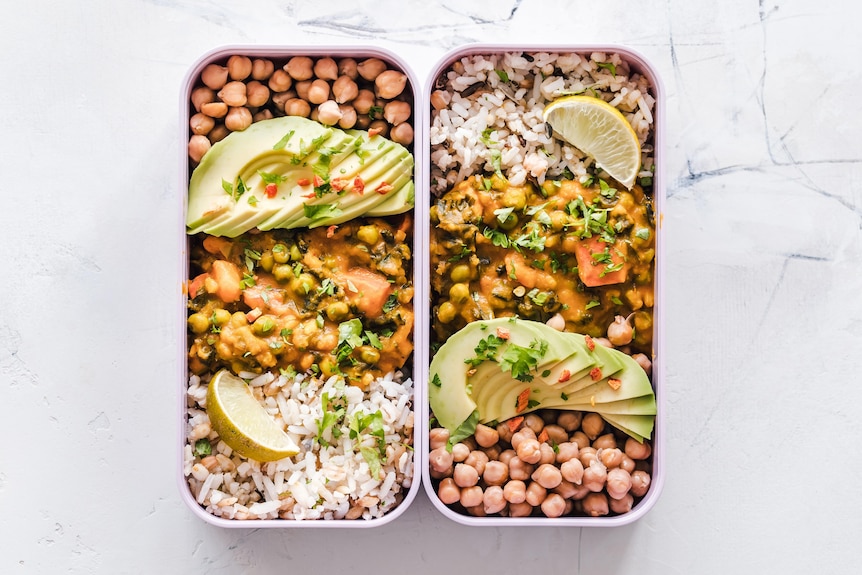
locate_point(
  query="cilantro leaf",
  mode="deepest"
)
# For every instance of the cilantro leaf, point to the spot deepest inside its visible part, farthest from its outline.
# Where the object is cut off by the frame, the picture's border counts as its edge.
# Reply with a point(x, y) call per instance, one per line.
point(520, 360)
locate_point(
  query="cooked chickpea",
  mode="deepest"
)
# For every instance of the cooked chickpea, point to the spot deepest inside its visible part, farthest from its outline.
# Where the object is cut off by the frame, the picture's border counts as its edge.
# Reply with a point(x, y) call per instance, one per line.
point(460, 451)
point(521, 435)
point(326, 68)
point(318, 91)
point(535, 422)
point(297, 107)
point(553, 505)
point(465, 475)
point(440, 460)
point(257, 94)
point(606, 441)
point(438, 437)
point(347, 67)
point(595, 476)
point(621, 505)
point(300, 67)
point(618, 483)
point(644, 362)
point(506, 455)
point(485, 436)
point(515, 491)
point(302, 89)
point(214, 76)
point(518, 469)
point(529, 451)
point(566, 489)
point(637, 450)
point(620, 332)
point(448, 492)
point(557, 322)
point(201, 124)
point(593, 425)
point(505, 432)
point(396, 112)
point(344, 89)
point(566, 451)
point(402, 134)
point(477, 460)
point(233, 94)
point(572, 471)
point(548, 453)
point(198, 146)
point(237, 119)
point(595, 504)
point(640, 483)
point(214, 109)
point(379, 127)
point(493, 499)
point(200, 96)
point(587, 455)
point(570, 420)
point(611, 457)
point(370, 68)
point(471, 496)
point(389, 84)
point(493, 452)
point(547, 475)
point(627, 463)
point(348, 117)
point(496, 473)
point(556, 434)
point(239, 67)
point(535, 494)
point(364, 101)
point(580, 438)
point(280, 81)
point(440, 99)
point(262, 69)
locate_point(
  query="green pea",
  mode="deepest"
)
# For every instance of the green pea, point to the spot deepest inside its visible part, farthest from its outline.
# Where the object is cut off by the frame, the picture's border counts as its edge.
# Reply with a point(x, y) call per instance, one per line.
point(263, 325)
point(280, 253)
point(282, 272)
point(369, 354)
point(303, 284)
point(295, 254)
point(368, 234)
point(221, 316)
point(459, 293)
point(199, 323)
point(446, 312)
point(266, 261)
point(510, 222)
point(515, 197)
point(337, 311)
point(460, 273)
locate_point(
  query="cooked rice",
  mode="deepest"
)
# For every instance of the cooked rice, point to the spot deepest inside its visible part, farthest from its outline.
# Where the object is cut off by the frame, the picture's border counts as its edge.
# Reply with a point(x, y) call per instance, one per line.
point(504, 114)
point(330, 479)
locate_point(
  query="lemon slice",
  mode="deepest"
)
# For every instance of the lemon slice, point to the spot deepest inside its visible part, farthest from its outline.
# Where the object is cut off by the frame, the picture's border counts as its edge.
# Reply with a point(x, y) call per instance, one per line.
point(243, 423)
point(599, 130)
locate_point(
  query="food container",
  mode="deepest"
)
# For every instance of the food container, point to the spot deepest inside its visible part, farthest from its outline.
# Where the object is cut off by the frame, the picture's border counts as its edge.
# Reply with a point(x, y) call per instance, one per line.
point(198, 491)
point(655, 462)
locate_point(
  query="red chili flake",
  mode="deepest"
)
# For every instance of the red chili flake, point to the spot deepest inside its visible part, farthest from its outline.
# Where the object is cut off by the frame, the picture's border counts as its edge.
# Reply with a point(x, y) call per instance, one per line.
point(543, 436)
point(308, 195)
point(330, 231)
point(271, 190)
point(614, 383)
point(502, 333)
point(358, 185)
point(338, 184)
point(523, 400)
point(596, 373)
point(384, 188)
point(303, 181)
point(374, 131)
point(514, 423)
point(564, 376)
point(591, 345)
point(253, 314)
point(318, 181)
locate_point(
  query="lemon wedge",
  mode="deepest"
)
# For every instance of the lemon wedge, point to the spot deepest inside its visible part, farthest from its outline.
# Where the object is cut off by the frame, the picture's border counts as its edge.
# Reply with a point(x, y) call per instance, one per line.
point(599, 130)
point(243, 423)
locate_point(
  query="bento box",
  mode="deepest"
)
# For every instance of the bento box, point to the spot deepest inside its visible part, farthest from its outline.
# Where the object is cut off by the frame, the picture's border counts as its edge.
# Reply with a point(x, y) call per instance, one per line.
point(544, 277)
point(298, 382)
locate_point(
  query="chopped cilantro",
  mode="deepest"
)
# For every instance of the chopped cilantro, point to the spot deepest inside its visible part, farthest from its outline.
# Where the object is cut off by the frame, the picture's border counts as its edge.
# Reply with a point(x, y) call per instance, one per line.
point(520, 360)
point(607, 66)
point(320, 211)
point(435, 380)
point(203, 447)
point(283, 141)
point(503, 75)
point(270, 178)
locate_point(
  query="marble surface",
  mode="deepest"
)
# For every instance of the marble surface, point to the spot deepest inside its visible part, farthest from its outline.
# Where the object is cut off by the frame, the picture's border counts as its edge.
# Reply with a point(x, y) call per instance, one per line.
point(763, 268)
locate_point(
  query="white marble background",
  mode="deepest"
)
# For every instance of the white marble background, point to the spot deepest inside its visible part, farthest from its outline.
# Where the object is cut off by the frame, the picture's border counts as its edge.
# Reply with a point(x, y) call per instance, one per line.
point(764, 285)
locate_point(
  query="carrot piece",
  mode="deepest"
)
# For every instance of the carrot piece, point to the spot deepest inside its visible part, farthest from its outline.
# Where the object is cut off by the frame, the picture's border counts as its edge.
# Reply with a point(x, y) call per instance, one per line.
point(543, 436)
point(596, 373)
point(197, 284)
point(228, 278)
point(523, 400)
point(372, 291)
point(593, 265)
point(514, 423)
point(217, 246)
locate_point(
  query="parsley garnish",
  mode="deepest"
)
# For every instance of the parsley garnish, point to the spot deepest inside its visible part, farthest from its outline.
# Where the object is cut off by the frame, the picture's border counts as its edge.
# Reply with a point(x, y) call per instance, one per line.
point(520, 361)
point(486, 349)
point(283, 141)
point(320, 211)
point(435, 380)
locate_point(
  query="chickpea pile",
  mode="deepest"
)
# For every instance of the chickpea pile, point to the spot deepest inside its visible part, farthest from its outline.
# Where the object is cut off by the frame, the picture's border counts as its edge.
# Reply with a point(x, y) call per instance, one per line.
point(552, 463)
point(366, 94)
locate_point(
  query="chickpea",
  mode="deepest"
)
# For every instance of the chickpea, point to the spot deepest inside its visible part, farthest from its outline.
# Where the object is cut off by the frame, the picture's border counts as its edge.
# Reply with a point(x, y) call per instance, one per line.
point(379, 127)
point(347, 67)
point(566, 451)
point(280, 81)
point(390, 84)
point(547, 475)
point(297, 107)
point(493, 499)
point(200, 96)
point(460, 293)
point(496, 473)
point(515, 491)
point(326, 68)
point(520, 509)
point(611, 458)
point(644, 362)
point(396, 112)
point(318, 91)
point(637, 450)
point(486, 436)
point(262, 69)
point(556, 434)
point(237, 119)
point(440, 99)
point(529, 451)
point(493, 452)
point(593, 425)
point(519, 470)
point(199, 323)
point(477, 460)
point(606, 441)
point(438, 437)
point(603, 341)
point(402, 134)
point(460, 451)
point(595, 504)
point(239, 67)
point(535, 494)
point(618, 483)
point(548, 453)
point(587, 455)
point(620, 332)
point(471, 496)
point(557, 321)
point(465, 475)
point(553, 505)
point(219, 133)
point(344, 89)
point(580, 438)
point(198, 146)
point(233, 94)
point(573, 471)
point(302, 89)
point(257, 94)
point(214, 76)
point(348, 117)
point(566, 489)
point(535, 422)
point(364, 101)
point(627, 463)
point(299, 67)
point(440, 459)
point(570, 420)
point(621, 505)
point(214, 109)
point(505, 432)
point(581, 491)
point(370, 68)
point(506, 455)
point(640, 483)
point(446, 312)
point(595, 476)
point(448, 492)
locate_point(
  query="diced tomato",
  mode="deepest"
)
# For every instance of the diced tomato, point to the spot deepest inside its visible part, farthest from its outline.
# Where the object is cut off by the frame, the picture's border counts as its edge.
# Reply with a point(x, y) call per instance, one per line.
point(503, 333)
point(358, 185)
point(596, 373)
point(384, 188)
point(197, 284)
point(591, 344)
point(543, 436)
point(338, 184)
point(372, 291)
point(564, 376)
point(318, 181)
point(271, 190)
point(594, 272)
point(303, 182)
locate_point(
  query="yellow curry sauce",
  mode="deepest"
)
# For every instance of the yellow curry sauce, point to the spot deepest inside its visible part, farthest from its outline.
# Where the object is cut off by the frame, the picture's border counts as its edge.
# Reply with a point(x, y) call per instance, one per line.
point(331, 300)
point(583, 252)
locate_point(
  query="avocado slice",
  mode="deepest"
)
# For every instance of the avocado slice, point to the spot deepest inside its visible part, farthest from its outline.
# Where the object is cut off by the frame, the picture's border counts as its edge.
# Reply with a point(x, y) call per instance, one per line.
point(638, 426)
point(633, 383)
point(290, 135)
point(643, 405)
point(397, 203)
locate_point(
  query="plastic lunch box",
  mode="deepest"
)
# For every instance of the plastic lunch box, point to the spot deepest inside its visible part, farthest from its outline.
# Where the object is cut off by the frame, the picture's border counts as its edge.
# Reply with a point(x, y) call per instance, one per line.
point(421, 356)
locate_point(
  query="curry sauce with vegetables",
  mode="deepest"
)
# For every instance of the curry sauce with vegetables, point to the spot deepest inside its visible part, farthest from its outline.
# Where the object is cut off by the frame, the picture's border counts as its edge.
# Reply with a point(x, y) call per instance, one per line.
point(335, 300)
point(584, 252)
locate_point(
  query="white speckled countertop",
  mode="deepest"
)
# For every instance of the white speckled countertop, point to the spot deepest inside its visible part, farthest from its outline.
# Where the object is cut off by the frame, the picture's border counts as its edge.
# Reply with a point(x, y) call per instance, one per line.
point(763, 269)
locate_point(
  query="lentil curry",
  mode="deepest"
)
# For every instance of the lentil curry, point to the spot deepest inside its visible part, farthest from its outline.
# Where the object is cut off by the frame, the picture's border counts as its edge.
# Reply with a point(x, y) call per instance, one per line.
point(333, 300)
point(585, 252)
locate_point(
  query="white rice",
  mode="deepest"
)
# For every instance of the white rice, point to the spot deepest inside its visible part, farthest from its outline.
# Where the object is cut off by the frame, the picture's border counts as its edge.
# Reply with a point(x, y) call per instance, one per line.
point(325, 480)
point(509, 103)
